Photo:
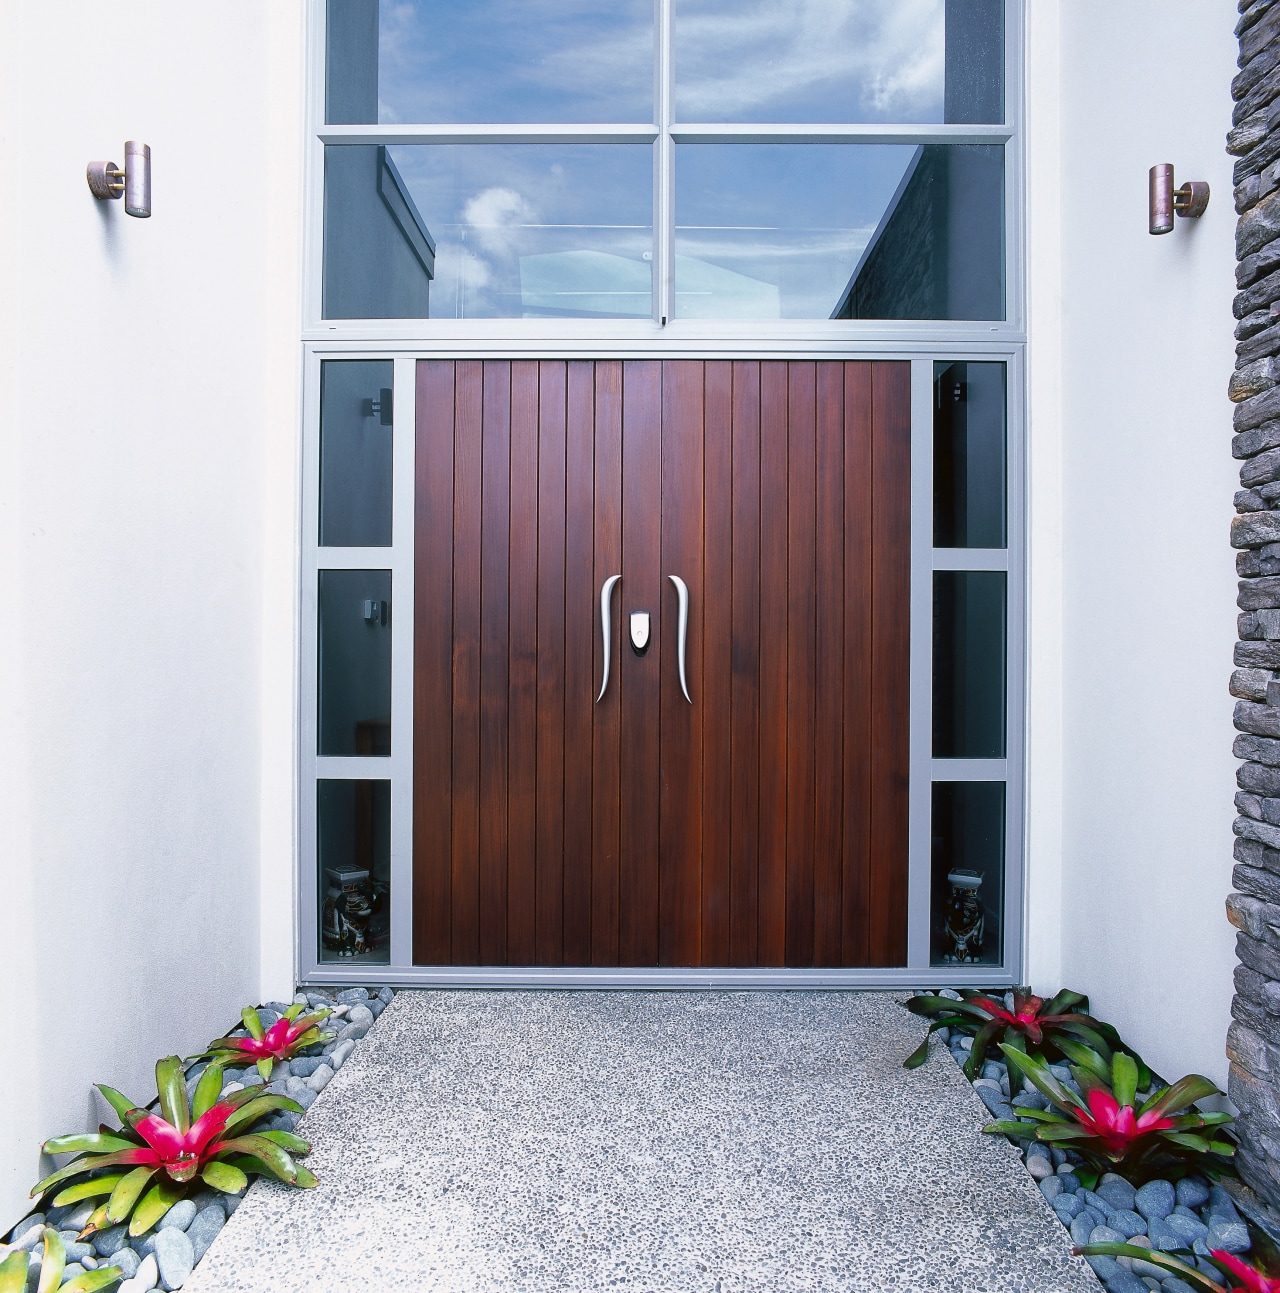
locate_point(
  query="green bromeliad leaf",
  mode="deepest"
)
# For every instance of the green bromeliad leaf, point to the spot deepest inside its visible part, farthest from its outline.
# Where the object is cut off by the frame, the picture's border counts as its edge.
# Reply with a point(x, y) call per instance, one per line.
point(53, 1262)
point(251, 1021)
point(91, 1281)
point(265, 1065)
point(251, 1112)
point(225, 1177)
point(1181, 1095)
point(91, 1189)
point(13, 1272)
point(87, 1143)
point(81, 1165)
point(121, 1104)
point(273, 1156)
point(171, 1085)
point(287, 1140)
point(1018, 1130)
point(305, 1179)
point(1176, 1267)
point(1085, 1057)
point(1124, 1078)
point(126, 1194)
point(154, 1204)
point(207, 1089)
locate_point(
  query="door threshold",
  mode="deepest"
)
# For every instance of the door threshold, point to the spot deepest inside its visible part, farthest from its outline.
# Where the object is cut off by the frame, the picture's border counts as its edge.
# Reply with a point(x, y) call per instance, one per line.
point(658, 978)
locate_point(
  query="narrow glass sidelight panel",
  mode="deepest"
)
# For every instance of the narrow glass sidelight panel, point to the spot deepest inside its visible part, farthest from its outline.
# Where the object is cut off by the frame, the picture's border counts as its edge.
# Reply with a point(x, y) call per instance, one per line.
point(355, 662)
point(839, 231)
point(489, 60)
point(969, 664)
point(468, 231)
point(967, 873)
point(848, 61)
point(969, 450)
point(353, 850)
point(355, 453)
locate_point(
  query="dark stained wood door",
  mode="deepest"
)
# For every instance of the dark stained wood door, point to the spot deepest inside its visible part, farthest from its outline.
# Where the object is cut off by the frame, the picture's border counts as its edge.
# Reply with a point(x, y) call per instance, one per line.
point(765, 824)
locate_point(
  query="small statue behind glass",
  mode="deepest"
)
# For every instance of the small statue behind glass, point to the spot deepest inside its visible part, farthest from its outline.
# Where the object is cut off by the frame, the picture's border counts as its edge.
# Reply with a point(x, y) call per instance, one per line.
point(965, 920)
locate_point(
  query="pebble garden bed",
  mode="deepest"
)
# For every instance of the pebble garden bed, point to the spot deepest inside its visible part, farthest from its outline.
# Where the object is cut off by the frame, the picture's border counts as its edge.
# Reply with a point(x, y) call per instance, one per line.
point(1192, 1213)
point(165, 1256)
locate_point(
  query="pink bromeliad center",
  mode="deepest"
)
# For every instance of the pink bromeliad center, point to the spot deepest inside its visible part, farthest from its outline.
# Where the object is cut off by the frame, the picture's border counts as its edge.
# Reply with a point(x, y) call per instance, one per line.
point(274, 1043)
point(178, 1151)
point(1117, 1125)
point(1254, 1280)
point(1024, 1019)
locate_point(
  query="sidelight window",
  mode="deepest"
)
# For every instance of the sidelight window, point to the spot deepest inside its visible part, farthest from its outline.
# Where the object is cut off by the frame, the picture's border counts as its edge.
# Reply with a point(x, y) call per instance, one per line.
point(664, 160)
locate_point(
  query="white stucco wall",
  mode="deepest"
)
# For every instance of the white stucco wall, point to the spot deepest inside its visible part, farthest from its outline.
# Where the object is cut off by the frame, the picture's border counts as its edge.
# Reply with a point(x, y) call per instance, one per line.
point(1133, 584)
point(149, 381)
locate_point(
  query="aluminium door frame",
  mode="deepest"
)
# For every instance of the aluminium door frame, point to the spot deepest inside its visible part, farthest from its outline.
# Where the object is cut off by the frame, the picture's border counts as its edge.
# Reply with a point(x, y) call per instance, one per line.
point(921, 342)
point(398, 767)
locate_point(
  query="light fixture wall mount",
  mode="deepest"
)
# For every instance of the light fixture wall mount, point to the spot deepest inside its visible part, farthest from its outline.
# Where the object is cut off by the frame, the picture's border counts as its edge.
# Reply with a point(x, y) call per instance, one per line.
point(108, 181)
point(1165, 201)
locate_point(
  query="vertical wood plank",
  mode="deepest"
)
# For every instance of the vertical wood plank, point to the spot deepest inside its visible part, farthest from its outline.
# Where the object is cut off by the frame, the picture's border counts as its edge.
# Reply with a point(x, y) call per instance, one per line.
point(495, 548)
point(745, 734)
point(549, 949)
point(522, 829)
point(801, 656)
point(432, 662)
point(771, 923)
point(638, 676)
point(580, 633)
point(856, 876)
point(716, 671)
point(828, 859)
point(465, 907)
point(606, 773)
point(680, 813)
point(890, 659)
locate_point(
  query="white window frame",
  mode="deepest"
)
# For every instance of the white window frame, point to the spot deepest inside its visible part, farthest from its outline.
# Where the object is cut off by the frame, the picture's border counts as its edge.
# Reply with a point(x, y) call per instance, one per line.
point(922, 343)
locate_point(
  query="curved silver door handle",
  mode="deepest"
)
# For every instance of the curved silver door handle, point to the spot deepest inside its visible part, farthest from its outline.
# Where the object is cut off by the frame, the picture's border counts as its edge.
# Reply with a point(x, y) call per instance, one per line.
point(606, 629)
point(682, 629)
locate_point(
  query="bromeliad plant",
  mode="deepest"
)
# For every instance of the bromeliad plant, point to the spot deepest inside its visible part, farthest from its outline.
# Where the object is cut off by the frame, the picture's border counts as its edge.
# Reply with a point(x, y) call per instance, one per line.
point(1034, 1026)
point(53, 1264)
point(1107, 1126)
point(291, 1033)
point(1253, 1280)
point(143, 1169)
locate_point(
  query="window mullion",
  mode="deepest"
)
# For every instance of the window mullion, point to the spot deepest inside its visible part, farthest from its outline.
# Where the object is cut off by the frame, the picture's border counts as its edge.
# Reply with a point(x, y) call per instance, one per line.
point(664, 167)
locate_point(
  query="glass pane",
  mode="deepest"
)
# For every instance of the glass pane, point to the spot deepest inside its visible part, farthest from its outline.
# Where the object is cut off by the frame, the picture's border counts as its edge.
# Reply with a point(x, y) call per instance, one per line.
point(355, 453)
point(839, 231)
point(840, 60)
point(969, 456)
point(355, 662)
point(467, 231)
point(489, 60)
point(353, 848)
point(969, 664)
point(967, 889)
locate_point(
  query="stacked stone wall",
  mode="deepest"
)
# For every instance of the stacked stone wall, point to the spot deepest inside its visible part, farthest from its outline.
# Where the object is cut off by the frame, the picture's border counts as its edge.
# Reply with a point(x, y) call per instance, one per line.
point(1253, 1044)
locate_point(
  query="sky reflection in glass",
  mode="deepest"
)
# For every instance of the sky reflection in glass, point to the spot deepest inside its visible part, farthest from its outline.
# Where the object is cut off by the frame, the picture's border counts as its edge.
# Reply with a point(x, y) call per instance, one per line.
point(776, 230)
point(809, 60)
point(536, 230)
point(515, 60)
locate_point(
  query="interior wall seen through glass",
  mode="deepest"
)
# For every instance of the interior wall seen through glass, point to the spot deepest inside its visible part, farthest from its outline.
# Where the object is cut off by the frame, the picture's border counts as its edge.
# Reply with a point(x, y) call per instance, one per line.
point(353, 853)
point(969, 448)
point(355, 452)
point(489, 61)
point(967, 873)
point(462, 231)
point(839, 231)
point(842, 61)
point(969, 664)
point(355, 662)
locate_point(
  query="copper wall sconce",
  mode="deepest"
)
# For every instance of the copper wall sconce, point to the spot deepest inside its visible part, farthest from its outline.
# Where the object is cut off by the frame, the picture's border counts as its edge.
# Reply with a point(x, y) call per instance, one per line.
point(1190, 199)
point(107, 180)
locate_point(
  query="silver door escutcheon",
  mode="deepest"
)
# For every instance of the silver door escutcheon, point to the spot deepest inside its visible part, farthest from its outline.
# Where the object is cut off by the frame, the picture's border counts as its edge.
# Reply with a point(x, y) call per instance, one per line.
point(682, 630)
point(606, 629)
point(639, 632)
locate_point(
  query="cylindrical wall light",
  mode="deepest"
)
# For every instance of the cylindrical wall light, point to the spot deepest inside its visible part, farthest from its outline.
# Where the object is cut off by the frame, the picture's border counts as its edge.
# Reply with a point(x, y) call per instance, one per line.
point(108, 181)
point(1165, 201)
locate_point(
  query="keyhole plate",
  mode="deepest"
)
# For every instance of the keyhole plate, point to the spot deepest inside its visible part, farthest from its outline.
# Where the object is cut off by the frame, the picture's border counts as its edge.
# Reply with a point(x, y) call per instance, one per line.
point(639, 632)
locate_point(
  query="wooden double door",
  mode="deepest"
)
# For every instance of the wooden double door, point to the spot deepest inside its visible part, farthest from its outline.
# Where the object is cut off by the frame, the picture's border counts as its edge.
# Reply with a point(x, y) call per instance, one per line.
point(763, 821)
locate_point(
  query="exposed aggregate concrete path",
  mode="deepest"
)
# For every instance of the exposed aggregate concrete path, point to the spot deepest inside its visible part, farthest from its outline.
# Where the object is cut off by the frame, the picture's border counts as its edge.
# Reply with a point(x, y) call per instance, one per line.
point(724, 1142)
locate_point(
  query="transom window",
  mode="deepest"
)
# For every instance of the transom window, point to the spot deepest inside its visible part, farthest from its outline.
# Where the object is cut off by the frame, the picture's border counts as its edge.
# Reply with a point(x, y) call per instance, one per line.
point(665, 159)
